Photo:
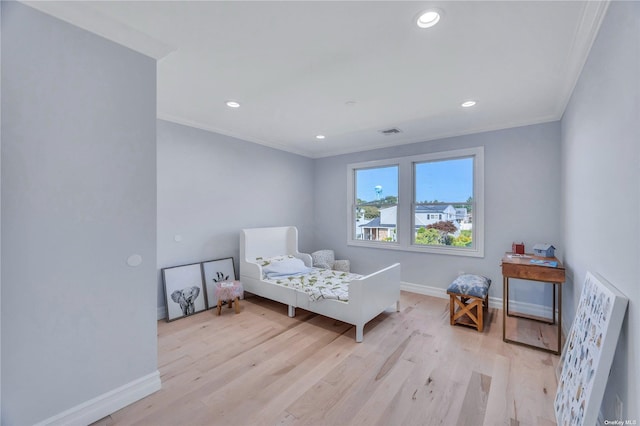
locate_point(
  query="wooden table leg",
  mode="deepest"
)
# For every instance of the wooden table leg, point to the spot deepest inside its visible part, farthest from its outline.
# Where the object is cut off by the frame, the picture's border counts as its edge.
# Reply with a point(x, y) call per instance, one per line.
point(553, 309)
point(505, 295)
point(219, 306)
point(559, 317)
point(237, 302)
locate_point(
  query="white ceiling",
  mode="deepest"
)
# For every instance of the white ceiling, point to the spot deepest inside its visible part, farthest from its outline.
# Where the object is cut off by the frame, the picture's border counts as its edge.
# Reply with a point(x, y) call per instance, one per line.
point(350, 69)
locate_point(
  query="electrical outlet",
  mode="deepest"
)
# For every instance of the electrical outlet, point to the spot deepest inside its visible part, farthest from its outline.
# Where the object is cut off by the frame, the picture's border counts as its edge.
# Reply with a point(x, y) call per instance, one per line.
point(618, 408)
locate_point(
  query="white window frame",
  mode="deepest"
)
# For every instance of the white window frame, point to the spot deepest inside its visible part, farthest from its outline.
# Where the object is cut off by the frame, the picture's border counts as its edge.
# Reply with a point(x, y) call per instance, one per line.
point(351, 203)
point(405, 225)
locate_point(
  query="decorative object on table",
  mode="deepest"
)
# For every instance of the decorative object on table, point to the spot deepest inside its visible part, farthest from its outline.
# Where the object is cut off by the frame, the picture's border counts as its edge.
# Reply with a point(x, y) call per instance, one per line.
point(326, 259)
point(544, 262)
point(588, 352)
point(230, 292)
point(216, 271)
point(183, 290)
point(468, 293)
point(544, 250)
point(517, 248)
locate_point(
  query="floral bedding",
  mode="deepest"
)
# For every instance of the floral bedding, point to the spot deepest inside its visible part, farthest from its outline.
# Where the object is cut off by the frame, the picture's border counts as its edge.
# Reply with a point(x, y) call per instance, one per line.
point(318, 284)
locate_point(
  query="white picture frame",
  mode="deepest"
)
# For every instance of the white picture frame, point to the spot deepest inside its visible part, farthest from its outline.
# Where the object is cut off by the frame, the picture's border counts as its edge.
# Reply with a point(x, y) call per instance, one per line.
point(588, 352)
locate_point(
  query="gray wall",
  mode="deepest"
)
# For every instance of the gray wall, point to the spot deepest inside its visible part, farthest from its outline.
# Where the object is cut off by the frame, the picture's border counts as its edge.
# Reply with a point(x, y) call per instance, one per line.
point(601, 186)
point(210, 186)
point(522, 203)
point(78, 198)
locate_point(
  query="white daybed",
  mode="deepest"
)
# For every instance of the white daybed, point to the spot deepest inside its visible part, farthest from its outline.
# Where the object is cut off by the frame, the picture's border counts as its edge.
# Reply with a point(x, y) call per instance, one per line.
point(368, 295)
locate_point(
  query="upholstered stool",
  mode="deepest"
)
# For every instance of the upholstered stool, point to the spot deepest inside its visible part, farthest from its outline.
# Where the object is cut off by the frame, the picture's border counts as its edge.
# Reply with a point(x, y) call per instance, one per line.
point(469, 293)
point(231, 292)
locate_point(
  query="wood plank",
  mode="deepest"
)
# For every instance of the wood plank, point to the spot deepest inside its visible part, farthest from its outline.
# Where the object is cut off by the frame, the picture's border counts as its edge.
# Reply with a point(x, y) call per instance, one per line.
point(532, 332)
point(386, 387)
point(313, 369)
point(496, 409)
point(261, 367)
point(338, 393)
point(474, 404)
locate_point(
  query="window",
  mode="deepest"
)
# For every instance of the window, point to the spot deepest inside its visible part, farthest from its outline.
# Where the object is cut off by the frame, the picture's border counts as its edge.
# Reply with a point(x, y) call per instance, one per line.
point(375, 206)
point(443, 200)
point(429, 203)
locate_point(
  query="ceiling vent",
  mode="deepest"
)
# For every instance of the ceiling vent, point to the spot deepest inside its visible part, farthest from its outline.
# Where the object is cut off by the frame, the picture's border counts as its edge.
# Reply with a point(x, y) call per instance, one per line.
point(392, 131)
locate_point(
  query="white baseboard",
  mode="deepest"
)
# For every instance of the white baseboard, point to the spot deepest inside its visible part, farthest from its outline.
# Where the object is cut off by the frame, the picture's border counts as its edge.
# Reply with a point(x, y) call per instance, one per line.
point(424, 289)
point(107, 403)
point(528, 308)
point(494, 302)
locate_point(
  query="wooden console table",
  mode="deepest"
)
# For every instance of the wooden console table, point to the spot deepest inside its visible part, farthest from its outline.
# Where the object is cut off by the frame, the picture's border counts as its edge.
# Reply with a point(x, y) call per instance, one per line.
point(521, 267)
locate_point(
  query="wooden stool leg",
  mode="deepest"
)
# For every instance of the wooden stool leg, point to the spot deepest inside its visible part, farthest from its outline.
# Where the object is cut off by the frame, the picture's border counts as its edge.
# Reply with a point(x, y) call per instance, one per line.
point(237, 302)
point(230, 303)
point(219, 306)
point(473, 310)
point(451, 308)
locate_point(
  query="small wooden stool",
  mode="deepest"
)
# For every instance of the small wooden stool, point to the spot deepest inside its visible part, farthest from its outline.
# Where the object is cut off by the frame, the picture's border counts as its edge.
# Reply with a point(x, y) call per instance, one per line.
point(469, 293)
point(230, 291)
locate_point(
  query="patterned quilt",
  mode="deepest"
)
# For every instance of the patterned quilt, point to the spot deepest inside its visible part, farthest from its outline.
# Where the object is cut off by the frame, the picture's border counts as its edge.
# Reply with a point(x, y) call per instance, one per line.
point(320, 283)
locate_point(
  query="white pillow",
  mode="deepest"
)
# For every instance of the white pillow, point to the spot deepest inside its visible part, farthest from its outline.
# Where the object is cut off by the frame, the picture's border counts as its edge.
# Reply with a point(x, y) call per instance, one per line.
point(285, 267)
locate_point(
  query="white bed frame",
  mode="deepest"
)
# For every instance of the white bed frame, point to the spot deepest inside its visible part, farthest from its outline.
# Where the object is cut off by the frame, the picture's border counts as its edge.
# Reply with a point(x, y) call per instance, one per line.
point(368, 296)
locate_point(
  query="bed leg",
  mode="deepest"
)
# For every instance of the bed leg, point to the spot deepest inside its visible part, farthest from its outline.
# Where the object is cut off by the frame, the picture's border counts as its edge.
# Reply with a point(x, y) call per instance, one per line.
point(398, 306)
point(292, 311)
point(359, 333)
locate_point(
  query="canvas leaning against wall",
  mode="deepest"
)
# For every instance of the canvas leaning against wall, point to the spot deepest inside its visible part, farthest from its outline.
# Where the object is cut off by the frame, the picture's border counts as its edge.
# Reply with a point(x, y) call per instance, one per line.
point(588, 352)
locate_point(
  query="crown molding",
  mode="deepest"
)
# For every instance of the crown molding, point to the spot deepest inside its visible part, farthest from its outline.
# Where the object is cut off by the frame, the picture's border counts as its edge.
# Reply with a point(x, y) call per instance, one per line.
point(84, 16)
point(202, 126)
point(586, 32)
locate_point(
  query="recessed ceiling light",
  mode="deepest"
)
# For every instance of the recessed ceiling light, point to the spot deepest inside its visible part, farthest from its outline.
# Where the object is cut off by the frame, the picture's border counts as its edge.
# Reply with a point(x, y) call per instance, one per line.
point(428, 18)
point(233, 104)
point(320, 137)
point(468, 104)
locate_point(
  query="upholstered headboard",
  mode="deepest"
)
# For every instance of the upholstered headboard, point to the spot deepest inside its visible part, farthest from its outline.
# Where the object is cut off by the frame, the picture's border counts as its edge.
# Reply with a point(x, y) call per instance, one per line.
point(268, 242)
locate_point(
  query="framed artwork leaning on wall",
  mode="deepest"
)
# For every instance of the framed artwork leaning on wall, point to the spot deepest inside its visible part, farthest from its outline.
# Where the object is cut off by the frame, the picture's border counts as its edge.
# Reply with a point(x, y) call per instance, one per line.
point(183, 290)
point(216, 271)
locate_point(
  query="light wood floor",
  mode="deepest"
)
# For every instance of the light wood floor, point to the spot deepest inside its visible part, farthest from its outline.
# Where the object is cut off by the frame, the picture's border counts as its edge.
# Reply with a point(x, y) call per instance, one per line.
point(260, 367)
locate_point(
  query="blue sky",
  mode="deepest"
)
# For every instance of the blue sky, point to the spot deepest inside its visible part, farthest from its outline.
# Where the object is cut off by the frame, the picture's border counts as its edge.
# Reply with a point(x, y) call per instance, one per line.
point(448, 181)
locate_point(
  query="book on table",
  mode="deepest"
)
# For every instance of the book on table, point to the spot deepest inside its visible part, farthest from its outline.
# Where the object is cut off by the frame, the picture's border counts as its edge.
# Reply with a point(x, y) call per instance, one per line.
point(542, 262)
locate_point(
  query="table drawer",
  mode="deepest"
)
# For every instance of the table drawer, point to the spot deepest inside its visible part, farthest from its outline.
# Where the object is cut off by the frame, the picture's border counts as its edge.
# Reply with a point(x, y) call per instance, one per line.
point(532, 272)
